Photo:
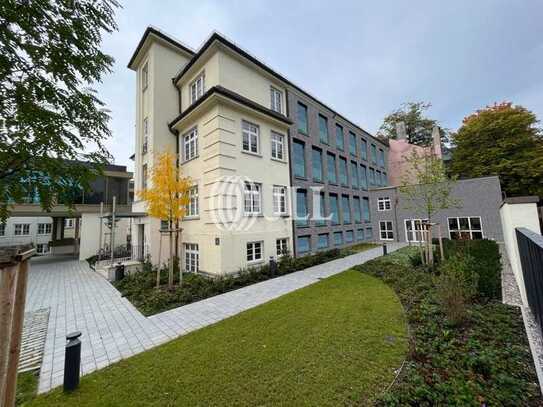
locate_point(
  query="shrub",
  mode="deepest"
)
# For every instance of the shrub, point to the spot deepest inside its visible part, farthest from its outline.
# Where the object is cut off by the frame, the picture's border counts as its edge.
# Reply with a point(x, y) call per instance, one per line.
point(487, 264)
point(485, 361)
point(456, 285)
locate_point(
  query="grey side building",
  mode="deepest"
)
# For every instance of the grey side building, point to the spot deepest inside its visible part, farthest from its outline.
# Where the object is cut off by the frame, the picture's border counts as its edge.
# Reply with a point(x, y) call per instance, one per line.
point(476, 215)
point(336, 162)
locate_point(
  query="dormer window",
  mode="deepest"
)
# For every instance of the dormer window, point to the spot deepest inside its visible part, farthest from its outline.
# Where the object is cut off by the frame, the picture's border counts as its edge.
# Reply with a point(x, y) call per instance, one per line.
point(197, 88)
point(276, 103)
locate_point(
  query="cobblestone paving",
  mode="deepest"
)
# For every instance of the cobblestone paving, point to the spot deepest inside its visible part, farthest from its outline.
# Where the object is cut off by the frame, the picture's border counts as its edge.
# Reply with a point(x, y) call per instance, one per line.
point(113, 329)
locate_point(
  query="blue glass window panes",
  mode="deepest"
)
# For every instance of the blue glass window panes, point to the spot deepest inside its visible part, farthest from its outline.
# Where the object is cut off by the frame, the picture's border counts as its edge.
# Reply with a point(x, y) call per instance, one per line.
point(357, 208)
point(366, 209)
point(346, 207)
point(338, 238)
point(322, 242)
point(301, 208)
point(332, 176)
point(334, 209)
point(369, 234)
point(373, 154)
point(349, 236)
point(323, 129)
point(299, 158)
point(360, 235)
point(340, 139)
point(302, 118)
point(322, 211)
point(317, 165)
point(364, 150)
point(381, 158)
point(363, 177)
point(343, 171)
point(352, 144)
point(354, 175)
point(304, 244)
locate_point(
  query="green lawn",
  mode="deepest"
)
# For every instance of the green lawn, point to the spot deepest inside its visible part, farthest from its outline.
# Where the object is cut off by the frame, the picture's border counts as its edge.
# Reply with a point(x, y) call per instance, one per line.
point(333, 343)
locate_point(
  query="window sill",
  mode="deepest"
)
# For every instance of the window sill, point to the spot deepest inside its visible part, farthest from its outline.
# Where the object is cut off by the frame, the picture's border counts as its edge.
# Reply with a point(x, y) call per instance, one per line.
point(300, 177)
point(318, 181)
point(303, 133)
point(253, 215)
point(190, 159)
point(279, 160)
point(255, 262)
point(195, 217)
point(251, 153)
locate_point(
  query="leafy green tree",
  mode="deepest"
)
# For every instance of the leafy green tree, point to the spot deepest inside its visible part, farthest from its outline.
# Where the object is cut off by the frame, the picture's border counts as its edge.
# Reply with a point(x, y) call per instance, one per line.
point(50, 118)
point(418, 127)
point(501, 140)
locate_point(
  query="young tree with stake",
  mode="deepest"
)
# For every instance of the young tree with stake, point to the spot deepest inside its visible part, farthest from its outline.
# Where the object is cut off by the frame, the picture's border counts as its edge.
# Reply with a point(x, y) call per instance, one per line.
point(167, 199)
point(431, 191)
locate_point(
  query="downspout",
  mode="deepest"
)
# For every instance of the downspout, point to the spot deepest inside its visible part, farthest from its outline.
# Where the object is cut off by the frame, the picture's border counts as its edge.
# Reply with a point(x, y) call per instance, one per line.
point(290, 173)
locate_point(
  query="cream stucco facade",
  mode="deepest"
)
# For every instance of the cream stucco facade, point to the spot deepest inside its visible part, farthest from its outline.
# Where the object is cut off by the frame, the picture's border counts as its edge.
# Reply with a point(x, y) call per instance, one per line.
point(219, 169)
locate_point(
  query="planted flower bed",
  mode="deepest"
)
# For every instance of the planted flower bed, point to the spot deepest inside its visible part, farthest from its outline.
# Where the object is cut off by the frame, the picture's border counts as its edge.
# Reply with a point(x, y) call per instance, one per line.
point(466, 347)
point(140, 289)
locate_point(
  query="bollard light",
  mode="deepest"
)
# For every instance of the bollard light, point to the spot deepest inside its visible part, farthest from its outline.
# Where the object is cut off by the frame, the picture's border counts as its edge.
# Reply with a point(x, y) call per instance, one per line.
point(273, 266)
point(385, 250)
point(72, 361)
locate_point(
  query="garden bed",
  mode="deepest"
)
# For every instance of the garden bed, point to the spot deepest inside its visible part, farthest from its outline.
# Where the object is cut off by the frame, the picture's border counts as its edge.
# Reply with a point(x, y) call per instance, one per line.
point(482, 359)
point(139, 288)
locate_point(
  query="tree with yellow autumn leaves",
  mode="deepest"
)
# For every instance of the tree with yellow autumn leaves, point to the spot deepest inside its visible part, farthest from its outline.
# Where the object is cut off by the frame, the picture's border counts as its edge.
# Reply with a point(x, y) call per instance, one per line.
point(167, 198)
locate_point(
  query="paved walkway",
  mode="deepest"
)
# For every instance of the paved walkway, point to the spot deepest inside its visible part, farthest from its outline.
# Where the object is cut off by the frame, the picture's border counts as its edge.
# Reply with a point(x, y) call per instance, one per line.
point(80, 299)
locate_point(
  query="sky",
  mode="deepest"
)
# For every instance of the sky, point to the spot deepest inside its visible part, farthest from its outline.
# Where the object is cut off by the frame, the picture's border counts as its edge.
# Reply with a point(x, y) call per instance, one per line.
point(361, 58)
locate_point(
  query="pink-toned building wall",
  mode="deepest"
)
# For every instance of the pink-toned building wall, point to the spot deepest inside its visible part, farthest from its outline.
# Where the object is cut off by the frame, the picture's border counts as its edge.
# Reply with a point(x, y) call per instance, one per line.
point(399, 150)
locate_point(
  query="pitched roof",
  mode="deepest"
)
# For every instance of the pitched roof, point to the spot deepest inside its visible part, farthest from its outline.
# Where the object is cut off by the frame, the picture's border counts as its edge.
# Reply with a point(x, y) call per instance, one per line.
point(169, 39)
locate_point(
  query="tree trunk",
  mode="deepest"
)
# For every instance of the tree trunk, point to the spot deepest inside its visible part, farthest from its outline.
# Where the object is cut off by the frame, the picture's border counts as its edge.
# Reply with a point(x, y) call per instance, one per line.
point(170, 262)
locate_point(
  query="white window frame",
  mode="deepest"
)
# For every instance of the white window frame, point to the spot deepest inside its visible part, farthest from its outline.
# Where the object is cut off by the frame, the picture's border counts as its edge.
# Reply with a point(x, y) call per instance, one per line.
point(145, 76)
point(44, 228)
point(251, 252)
point(197, 88)
point(383, 204)
point(281, 246)
point(190, 144)
point(389, 233)
point(276, 97)
point(277, 146)
point(42, 245)
point(145, 141)
point(470, 230)
point(279, 198)
point(21, 229)
point(252, 199)
point(192, 257)
point(68, 223)
point(193, 208)
point(418, 236)
point(250, 135)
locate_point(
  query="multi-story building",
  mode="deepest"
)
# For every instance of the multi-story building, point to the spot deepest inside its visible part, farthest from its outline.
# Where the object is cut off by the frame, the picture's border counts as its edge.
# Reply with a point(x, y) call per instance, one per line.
point(246, 135)
point(62, 226)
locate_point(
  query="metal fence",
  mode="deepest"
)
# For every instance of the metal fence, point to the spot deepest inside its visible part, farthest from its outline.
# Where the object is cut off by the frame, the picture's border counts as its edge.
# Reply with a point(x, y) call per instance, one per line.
point(530, 246)
point(122, 253)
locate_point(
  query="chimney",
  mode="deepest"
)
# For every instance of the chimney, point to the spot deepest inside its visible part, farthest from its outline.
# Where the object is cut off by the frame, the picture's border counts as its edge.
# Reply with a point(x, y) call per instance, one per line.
point(401, 134)
point(436, 141)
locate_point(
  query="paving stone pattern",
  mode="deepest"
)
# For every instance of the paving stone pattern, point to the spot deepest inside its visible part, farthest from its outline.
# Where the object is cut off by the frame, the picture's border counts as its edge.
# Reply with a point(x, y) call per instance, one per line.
point(112, 329)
